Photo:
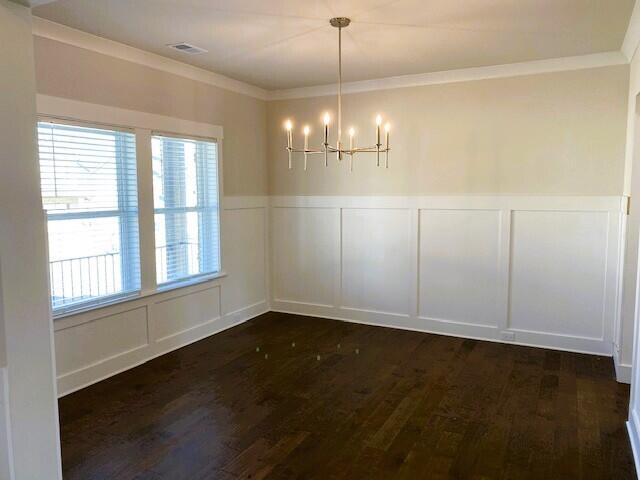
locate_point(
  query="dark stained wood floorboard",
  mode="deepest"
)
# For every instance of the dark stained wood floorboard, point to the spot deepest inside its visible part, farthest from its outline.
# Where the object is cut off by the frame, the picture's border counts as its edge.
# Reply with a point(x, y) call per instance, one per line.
point(293, 397)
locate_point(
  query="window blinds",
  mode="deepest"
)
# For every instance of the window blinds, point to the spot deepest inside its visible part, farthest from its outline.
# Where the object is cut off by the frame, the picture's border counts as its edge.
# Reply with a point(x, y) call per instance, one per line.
point(187, 231)
point(89, 192)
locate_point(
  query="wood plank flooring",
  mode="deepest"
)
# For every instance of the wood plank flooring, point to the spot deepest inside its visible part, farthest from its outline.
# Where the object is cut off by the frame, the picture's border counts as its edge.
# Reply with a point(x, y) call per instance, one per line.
point(284, 397)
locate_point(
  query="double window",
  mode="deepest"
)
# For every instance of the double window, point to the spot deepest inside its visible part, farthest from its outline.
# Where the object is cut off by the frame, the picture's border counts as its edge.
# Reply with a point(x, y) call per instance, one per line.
point(89, 185)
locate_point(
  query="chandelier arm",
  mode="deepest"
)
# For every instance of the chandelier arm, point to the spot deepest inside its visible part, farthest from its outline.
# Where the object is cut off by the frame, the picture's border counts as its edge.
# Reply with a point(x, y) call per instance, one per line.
point(309, 152)
point(348, 151)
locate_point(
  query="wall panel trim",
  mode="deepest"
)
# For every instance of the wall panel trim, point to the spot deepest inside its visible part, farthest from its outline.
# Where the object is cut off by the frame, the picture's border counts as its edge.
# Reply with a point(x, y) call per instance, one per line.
point(600, 215)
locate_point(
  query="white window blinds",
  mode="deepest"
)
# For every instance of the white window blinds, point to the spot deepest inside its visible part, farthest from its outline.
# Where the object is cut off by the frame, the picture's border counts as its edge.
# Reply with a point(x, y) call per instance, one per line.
point(185, 186)
point(89, 192)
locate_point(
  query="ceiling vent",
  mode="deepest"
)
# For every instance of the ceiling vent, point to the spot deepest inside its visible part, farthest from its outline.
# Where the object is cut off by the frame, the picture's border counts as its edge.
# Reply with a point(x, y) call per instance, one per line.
point(187, 48)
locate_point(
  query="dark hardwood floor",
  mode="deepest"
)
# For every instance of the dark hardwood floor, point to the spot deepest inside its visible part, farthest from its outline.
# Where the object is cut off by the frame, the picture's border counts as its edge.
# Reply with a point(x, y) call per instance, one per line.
point(286, 396)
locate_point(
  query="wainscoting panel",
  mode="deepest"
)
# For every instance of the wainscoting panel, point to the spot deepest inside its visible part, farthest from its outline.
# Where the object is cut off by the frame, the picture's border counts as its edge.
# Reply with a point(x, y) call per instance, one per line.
point(94, 345)
point(460, 265)
point(558, 272)
point(185, 311)
point(541, 271)
point(245, 257)
point(306, 254)
point(375, 260)
point(100, 339)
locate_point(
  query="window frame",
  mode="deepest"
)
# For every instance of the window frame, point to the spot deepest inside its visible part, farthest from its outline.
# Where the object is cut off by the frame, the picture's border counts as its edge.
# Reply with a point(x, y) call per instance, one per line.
point(130, 289)
point(189, 279)
point(143, 124)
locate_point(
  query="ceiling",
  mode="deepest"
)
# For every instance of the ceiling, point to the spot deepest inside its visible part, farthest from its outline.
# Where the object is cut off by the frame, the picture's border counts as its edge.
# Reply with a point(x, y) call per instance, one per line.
point(279, 44)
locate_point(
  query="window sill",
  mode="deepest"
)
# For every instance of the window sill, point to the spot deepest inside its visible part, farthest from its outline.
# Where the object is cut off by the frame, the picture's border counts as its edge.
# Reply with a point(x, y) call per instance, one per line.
point(187, 282)
point(141, 295)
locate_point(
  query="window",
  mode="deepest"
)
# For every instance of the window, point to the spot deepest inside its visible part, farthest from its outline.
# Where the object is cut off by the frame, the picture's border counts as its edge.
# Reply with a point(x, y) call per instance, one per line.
point(89, 192)
point(185, 187)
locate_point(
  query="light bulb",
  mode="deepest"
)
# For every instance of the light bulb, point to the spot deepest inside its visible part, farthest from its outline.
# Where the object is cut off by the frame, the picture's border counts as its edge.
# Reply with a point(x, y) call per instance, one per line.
point(378, 120)
point(352, 132)
point(327, 118)
point(288, 125)
point(306, 130)
point(387, 127)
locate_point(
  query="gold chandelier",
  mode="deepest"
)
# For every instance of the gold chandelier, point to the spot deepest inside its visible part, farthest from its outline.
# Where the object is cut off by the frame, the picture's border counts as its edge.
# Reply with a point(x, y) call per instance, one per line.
point(338, 149)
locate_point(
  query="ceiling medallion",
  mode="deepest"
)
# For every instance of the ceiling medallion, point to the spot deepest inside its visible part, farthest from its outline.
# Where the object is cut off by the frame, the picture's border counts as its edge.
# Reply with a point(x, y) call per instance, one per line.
point(338, 149)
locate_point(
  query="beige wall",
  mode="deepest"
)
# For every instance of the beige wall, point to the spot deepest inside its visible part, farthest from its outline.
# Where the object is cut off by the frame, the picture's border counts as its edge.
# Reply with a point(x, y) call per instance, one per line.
point(67, 71)
point(549, 134)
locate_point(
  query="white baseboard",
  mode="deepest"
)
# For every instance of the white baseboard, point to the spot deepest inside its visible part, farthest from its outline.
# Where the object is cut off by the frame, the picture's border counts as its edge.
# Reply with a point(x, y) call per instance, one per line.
point(6, 451)
point(634, 438)
point(81, 378)
point(445, 327)
point(623, 370)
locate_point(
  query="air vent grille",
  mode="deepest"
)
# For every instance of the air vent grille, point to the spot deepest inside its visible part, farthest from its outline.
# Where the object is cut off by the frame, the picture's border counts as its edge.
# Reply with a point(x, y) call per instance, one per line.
point(187, 48)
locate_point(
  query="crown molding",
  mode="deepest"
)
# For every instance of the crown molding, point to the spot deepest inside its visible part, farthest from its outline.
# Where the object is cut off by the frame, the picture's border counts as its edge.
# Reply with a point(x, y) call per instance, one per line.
point(632, 37)
point(71, 36)
point(461, 75)
point(55, 31)
point(37, 3)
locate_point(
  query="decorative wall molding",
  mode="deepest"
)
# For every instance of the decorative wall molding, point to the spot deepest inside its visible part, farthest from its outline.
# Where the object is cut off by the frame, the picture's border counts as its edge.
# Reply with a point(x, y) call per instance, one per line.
point(55, 31)
point(444, 265)
point(100, 343)
point(497, 268)
point(579, 62)
point(71, 36)
point(605, 203)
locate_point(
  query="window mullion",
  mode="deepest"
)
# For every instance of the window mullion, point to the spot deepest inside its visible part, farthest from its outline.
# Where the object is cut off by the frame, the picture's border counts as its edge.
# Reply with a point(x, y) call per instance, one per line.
point(146, 211)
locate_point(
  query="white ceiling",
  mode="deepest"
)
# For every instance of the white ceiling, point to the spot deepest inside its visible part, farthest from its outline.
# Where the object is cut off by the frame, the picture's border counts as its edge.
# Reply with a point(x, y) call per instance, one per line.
point(278, 44)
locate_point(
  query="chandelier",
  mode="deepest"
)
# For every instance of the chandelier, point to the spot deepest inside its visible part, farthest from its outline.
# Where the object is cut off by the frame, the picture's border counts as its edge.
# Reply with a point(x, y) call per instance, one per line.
point(339, 149)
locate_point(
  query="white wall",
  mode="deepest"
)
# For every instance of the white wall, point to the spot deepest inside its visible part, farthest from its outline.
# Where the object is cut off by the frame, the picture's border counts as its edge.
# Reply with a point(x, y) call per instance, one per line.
point(100, 343)
point(633, 424)
point(538, 271)
point(624, 341)
point(27, 390)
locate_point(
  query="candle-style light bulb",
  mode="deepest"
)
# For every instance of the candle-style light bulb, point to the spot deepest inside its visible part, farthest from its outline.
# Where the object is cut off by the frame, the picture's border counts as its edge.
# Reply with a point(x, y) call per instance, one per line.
point(327, 119)
point(306, 131)
point(289, 126)
point(378, 144)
